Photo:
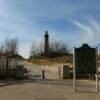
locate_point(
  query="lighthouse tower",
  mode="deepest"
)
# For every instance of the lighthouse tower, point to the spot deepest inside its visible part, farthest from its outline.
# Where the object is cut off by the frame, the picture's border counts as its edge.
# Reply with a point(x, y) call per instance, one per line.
point(46, 43)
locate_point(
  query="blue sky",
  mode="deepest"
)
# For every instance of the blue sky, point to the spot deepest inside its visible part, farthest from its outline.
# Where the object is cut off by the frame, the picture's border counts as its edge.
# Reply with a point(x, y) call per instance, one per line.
point(72, 21)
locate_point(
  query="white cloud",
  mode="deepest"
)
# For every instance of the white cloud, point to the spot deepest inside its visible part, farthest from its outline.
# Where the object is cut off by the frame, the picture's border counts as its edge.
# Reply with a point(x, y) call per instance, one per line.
point(90, 30)
point(86, 30)
point(95, 25)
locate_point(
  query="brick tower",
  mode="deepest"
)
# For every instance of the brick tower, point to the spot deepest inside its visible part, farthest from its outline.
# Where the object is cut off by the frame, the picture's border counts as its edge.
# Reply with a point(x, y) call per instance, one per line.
point(46, 43)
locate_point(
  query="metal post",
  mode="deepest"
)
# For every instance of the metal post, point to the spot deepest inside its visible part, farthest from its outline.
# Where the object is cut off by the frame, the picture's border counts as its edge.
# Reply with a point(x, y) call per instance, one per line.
point(74, 73)
point(43, 74)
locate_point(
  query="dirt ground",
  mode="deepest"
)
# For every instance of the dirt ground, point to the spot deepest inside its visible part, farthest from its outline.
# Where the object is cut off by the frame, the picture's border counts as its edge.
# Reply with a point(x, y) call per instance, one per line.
point(47, 90)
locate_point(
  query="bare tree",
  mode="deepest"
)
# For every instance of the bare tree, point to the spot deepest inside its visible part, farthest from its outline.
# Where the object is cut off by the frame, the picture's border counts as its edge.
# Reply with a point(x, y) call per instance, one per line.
point(13, 46)
point(2, 48)
point(33, 49)
point(10, 46)
point(56, 48)
point(36, 48)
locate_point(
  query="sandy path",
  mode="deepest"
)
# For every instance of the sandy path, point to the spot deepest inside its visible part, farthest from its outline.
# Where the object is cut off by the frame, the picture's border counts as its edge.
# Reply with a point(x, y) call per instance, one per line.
point(50, 72)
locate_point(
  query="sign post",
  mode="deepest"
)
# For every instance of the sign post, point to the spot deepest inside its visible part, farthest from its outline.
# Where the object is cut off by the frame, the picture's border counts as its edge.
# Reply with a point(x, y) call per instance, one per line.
point(74, 72)
point(97, 70)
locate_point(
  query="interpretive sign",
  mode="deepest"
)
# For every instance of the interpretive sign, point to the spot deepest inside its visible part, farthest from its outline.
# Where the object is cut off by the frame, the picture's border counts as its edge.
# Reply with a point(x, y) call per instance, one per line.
point(85, 60)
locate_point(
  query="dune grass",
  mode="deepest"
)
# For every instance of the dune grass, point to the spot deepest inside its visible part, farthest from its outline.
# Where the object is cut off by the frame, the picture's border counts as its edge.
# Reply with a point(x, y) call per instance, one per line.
point(51, 61)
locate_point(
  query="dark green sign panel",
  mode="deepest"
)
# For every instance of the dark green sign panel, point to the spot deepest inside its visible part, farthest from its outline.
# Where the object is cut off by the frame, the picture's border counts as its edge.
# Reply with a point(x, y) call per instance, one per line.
point(85, 60)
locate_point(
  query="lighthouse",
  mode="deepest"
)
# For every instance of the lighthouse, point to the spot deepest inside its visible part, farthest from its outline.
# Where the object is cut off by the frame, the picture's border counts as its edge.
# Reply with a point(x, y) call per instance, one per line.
point(46, 43)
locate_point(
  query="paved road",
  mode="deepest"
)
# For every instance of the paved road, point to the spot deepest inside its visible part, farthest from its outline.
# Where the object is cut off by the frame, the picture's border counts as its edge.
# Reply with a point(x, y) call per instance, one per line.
point(47, 90)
